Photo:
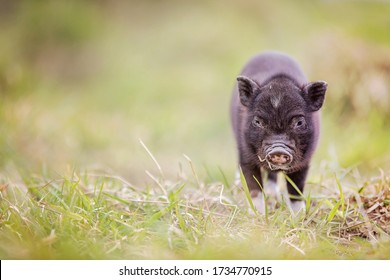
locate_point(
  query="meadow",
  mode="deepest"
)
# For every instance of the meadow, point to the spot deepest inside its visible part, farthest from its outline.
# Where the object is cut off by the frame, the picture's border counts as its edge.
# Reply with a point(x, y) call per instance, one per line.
point(116, 141)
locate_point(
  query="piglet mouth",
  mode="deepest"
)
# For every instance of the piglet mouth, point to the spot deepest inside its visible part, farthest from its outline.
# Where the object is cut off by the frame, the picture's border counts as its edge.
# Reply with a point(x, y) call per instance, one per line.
point(278, 157)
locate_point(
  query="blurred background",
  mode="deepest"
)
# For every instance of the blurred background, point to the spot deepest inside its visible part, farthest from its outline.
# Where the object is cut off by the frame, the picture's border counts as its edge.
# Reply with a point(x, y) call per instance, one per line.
point(82, 81)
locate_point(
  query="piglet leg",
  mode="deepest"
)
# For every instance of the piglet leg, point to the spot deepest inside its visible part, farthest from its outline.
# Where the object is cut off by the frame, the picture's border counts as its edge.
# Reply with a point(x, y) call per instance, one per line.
point(298, 177)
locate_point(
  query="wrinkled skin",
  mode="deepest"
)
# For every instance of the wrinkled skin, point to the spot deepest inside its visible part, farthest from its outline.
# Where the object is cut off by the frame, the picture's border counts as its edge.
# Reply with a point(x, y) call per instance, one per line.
point(275, 120)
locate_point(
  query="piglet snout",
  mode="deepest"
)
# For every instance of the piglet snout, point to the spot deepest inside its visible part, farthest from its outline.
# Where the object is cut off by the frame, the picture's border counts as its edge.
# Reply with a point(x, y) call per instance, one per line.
point(279, 159)
point(279, 156)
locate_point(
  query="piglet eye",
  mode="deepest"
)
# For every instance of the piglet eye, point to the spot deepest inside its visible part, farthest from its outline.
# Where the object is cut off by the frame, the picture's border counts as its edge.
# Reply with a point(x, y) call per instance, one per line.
point(299, 123)
point(258, 122)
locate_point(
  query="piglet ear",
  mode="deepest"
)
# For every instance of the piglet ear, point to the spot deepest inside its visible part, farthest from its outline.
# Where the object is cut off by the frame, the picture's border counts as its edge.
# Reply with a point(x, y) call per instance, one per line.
point(246, 89)
point(315, 94)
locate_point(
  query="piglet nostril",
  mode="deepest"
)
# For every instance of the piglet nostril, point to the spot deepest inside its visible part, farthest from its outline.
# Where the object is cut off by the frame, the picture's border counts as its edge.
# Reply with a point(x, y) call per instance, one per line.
point(278, 158)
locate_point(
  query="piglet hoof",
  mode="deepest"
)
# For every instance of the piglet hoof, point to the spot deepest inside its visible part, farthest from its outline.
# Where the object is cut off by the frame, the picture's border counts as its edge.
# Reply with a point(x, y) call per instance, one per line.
point(258, 203)
point(271, 189)
point(297, 206)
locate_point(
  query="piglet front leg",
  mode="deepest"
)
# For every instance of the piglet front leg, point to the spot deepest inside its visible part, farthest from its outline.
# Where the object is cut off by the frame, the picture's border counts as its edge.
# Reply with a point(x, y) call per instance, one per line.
point(253, 178)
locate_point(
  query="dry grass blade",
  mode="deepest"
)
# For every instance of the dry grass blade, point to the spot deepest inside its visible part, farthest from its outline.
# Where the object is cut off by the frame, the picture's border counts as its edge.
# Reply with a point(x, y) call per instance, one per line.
point(235, 207)
point(193, 170)
point(153, 158)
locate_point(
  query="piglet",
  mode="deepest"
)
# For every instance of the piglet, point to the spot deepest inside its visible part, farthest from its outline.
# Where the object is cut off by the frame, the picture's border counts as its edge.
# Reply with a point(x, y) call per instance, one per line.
point(275, 119)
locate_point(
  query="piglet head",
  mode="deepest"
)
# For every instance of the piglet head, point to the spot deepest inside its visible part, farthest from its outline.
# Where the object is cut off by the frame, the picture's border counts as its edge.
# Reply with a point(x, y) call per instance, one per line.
point(280, 128)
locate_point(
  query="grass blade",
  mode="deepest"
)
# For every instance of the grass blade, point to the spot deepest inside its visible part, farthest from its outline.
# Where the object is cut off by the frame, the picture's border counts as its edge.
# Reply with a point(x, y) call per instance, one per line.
point(342, 199)
point(156, 216)
point(295, 187)
point(308, 203)
point(246, 191)
point(152, 157)
point(333, 212)
point(265, 199)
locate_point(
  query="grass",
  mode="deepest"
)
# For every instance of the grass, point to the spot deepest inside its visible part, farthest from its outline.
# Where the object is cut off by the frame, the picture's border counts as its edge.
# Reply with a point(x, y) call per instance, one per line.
point(102, 216)
point(82, 81)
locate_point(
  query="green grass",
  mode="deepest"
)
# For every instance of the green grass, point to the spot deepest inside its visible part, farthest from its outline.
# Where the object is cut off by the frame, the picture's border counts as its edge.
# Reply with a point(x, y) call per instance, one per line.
point(101, 216)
